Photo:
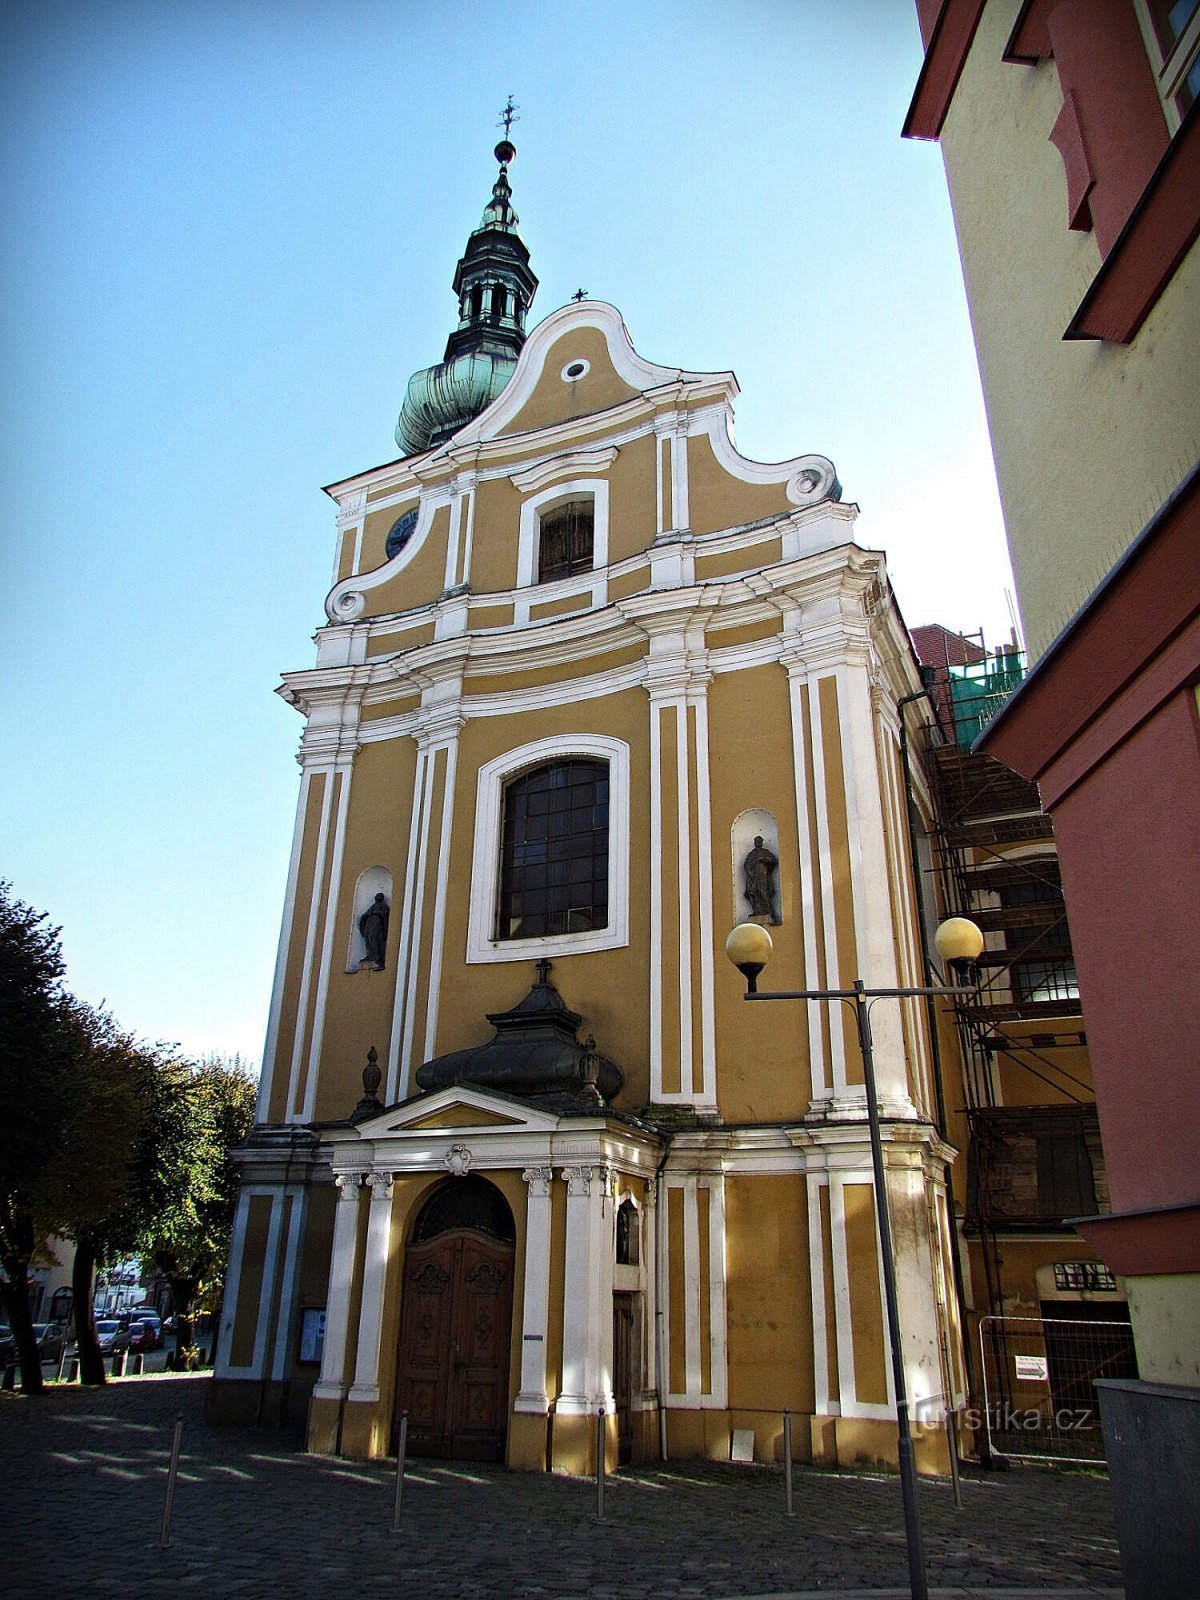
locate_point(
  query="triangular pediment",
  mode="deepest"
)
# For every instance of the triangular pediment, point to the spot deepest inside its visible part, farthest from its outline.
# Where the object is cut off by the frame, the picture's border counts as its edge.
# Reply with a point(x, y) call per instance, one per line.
point(464, 1117)
point(454, 1110)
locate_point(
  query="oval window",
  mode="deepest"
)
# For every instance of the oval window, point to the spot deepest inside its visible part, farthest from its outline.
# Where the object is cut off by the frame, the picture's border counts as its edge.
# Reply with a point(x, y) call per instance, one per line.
point(402, 532)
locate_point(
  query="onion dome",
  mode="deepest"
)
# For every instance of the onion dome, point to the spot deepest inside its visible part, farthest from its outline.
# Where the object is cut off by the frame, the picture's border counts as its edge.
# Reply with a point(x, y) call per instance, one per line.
point(534, 1055)
point(495, 287)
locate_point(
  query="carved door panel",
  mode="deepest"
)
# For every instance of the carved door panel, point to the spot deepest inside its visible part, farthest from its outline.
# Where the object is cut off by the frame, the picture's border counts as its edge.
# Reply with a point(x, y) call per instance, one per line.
point(426, 1331)
point(482, 1331)
point(455, 1329)
point(624, 1364)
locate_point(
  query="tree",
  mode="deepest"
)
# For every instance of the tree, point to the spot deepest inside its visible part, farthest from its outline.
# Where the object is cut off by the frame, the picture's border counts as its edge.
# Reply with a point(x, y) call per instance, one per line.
point(105, 1184)
point(35, 1085)
point(202, 1113)
point(119, 1145)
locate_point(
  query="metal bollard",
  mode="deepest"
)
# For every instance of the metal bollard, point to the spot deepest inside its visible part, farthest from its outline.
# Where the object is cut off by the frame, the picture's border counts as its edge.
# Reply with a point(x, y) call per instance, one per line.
point(401, 1452)
point(787, 1462)
point(9, 1380)
point(164, 1538)
point(137, 1364)
point(952, 1442)
point(600, 1465)
point(118, 1364)
point(73, 1370)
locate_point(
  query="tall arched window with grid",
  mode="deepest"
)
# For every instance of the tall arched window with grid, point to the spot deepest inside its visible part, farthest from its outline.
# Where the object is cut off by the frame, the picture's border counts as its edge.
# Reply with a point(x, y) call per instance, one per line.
point(554, 851)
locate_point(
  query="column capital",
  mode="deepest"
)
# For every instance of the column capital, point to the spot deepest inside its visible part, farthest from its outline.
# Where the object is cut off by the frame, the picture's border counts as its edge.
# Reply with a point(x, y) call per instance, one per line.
point(380, 1184)
point(539, 1180)
point(579, 1180)
point(348, 1184)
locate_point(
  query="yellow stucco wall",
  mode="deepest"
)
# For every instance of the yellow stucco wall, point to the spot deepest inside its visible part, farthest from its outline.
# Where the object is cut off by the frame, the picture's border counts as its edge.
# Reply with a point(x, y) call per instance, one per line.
point(554, 400)
point(769, 1307)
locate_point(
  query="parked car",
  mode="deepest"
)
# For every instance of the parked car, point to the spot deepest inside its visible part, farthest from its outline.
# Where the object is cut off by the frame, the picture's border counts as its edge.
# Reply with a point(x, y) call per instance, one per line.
point(49, 1336)
point(111, 1336)
point(146, 1328)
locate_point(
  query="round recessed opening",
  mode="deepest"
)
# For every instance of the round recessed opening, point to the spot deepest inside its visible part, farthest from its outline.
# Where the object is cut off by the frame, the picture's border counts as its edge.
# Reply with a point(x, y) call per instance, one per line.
point(574, 370)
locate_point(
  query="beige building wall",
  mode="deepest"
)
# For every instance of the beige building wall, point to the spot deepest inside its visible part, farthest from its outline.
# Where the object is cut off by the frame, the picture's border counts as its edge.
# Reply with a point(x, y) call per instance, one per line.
point(1089, 436)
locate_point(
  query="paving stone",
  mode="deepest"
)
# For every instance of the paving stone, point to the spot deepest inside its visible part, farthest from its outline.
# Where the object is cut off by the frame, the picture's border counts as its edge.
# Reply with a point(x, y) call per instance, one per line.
point(254, 1516)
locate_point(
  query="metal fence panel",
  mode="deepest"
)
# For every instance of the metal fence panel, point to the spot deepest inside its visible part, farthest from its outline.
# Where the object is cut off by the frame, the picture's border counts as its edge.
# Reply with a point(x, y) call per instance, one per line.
point(1039, 1375)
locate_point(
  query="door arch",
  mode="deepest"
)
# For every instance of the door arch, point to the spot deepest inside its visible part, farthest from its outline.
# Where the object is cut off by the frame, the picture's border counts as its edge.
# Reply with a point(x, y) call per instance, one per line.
point(456, 1323)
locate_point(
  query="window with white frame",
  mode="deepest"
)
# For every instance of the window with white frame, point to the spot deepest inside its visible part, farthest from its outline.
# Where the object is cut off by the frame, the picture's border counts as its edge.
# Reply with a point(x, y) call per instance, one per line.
point(564, 532)
point(1171, 29)
point(551, 858)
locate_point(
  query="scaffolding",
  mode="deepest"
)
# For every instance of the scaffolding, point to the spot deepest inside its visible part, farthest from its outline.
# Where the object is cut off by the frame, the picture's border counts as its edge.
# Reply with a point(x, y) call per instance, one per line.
point(1033, 1160)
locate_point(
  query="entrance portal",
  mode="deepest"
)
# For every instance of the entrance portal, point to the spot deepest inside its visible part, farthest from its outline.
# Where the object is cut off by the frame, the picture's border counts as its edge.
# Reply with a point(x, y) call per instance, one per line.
point(456, 1324)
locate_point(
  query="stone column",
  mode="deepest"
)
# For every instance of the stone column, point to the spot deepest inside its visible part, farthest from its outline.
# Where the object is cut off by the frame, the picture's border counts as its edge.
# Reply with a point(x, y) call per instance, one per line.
point(370, 1322)
point(536, 1314)
point(332, 1383)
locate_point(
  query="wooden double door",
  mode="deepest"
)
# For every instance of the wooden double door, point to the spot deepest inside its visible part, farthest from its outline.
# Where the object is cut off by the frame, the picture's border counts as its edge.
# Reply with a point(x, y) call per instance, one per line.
point(455, 1332)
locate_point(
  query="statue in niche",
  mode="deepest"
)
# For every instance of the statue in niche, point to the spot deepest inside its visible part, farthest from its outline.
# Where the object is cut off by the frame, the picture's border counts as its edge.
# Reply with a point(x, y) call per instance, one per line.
point(373, 925)
point(758, 869)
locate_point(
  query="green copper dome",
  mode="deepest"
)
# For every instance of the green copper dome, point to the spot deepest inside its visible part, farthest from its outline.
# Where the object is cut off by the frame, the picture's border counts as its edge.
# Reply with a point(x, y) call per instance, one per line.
point(495, 287)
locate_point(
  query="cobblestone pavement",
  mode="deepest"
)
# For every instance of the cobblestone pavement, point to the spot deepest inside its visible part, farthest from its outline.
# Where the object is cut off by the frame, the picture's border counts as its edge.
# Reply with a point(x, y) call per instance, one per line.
point(84, 1479)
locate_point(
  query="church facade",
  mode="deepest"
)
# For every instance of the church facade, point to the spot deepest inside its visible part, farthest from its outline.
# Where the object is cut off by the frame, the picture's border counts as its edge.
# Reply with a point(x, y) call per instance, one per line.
point(593, 688)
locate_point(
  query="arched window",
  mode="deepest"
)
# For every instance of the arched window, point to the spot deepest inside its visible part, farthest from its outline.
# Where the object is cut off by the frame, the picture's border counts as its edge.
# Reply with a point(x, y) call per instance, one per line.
point(628, 1235)
point(469, 1202)
point(554, 851)
point(477, 300)
point(499, 300)
point(566, 540)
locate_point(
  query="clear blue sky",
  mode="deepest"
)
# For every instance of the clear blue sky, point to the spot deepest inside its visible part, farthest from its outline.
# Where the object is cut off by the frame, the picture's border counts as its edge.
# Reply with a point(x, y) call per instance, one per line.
point(229, 233)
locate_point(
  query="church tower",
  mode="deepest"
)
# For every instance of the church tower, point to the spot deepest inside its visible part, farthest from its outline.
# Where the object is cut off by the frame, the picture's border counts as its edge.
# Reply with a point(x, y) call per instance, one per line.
point(592, 689)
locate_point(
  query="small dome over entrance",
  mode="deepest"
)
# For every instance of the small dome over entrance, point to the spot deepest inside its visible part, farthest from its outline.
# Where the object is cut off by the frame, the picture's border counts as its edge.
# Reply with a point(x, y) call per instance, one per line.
point(534, 1054)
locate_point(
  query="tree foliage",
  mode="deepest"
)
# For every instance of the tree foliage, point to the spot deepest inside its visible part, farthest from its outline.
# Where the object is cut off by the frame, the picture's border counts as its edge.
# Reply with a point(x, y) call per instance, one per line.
point(34, 1083)
point(118, 1145)
point(204, 1112)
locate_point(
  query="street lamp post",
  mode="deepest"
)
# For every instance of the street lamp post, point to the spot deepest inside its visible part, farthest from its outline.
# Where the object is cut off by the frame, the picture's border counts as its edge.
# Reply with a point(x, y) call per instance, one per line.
point(959, 942)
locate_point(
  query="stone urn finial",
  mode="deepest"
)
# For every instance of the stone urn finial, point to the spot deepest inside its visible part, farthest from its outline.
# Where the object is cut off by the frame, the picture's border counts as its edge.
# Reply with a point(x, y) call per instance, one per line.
point(372, 1077)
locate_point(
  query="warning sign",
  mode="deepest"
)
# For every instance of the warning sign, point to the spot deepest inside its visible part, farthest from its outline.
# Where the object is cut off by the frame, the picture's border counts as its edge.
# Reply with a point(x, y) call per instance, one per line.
point(1032, 1369)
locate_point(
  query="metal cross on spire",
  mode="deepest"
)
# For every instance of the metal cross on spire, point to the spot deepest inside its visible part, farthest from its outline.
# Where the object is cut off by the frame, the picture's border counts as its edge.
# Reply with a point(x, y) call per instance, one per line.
point(580, 294)
point(508, 116)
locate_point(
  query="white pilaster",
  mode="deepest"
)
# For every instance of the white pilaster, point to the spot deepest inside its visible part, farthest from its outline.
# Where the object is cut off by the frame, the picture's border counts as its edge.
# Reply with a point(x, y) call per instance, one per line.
point(873, 928)
point(233, 1281)
point(680, 512)
point(266, 1294)
point(824, 1403)
point(294, 1112)
point(650, 1254)
point(833, 965)
point(691, 1285)
point(803, 762)
point(718, 1355)
point(370, 1320)
point(332, 1383)
point(343, 770)
point(535, 1321)
point(698, 700)
point(285, 1329)
point(587, 1309)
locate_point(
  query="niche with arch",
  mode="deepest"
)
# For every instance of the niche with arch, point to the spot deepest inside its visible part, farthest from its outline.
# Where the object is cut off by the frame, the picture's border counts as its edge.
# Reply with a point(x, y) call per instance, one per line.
point(373, 881)
point(748, 826)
